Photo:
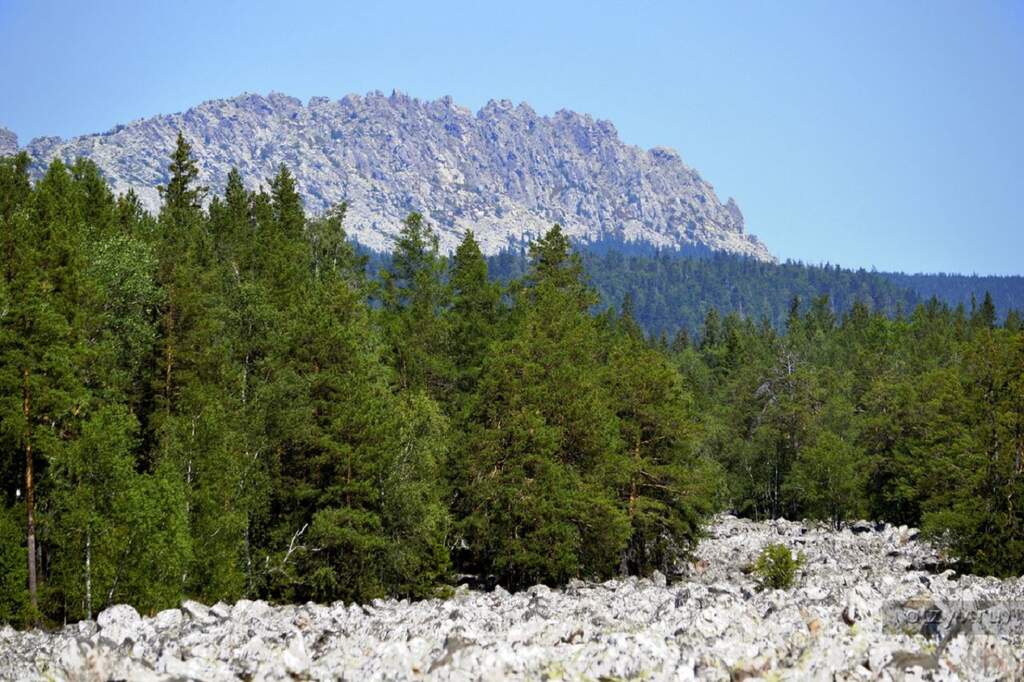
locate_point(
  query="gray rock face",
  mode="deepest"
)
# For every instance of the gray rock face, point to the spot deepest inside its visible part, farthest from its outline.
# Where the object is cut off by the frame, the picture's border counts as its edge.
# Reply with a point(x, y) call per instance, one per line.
point(861, 609)
point(505, 172)
point(8, 142)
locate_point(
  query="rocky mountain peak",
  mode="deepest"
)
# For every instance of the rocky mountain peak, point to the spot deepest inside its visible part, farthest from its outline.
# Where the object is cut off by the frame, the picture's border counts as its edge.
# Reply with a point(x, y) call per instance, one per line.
point(8, 142)
point(505, 171)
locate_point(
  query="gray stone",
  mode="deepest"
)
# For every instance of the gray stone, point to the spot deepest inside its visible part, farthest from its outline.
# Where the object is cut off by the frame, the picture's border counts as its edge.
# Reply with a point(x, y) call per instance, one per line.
point(8, 142)
point(504, 171)
point(122, 615)
point(716, 624)
point(862, 527)
point(196, 611)
point(167, 619)
point(220, 610)
point(119, 623)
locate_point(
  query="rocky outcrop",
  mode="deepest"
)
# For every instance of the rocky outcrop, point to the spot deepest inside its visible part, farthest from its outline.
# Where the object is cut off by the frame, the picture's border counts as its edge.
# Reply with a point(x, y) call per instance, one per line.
point(8, 142)
point(505, 171)
point(868, 605)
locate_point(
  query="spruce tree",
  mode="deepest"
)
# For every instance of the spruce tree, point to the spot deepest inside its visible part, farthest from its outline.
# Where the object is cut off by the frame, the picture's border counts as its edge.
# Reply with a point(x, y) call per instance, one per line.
point(536, 502)
point(189, 425)
point(356, 507)
point(414, 299)
point(474, 318)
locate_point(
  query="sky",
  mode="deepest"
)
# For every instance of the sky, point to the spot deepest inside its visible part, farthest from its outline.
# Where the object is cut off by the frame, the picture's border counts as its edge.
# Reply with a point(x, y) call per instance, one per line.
point(868, 134)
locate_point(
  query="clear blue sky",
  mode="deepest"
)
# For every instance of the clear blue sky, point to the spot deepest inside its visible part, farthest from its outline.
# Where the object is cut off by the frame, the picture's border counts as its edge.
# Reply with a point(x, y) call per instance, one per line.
point(883, 134)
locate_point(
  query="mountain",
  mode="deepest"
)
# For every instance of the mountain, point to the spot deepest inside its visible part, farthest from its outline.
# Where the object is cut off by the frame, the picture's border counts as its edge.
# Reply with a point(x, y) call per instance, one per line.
point(505, 171)
point(8, 142)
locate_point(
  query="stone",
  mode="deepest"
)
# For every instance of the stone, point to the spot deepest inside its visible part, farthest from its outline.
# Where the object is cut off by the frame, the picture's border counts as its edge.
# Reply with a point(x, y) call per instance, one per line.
point(715, 625)
point(8, 142)
point(504, 171)
point(119, 623)
point(295, 659)
point(862, 527)
point(220, 610)
point(196, 611)
point(71, 655)
point(86, 628)
point(120, 615)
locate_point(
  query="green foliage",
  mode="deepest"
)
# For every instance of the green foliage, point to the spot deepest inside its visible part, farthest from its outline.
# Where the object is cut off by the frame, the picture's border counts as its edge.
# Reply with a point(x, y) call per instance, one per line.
point(1005, 291)
point(13, 575)
point(475, 315)
point(541, 436)
point(220, 402)
point(671, 292)
point(976, 513)
point(664, 487)
point(826, 480)
point(414, 297)
point(776, 567)
point(158, 551)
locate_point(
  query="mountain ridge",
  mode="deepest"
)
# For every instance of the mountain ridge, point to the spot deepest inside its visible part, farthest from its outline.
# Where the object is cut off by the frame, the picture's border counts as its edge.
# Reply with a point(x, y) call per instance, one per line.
point(504, 171)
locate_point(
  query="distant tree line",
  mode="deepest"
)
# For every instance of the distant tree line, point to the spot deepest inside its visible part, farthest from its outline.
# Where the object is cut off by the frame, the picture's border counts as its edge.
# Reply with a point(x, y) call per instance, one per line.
point(1006, 291)
point(671, 292)
point(218, 402)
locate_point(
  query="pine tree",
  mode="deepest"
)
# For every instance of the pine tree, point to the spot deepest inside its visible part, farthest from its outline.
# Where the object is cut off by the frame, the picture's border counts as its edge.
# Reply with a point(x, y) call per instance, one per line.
point(985, 315)
point(356, 507)
point(975, 511)
point(663, 487)
point(190, 425)
point(536, 503)
point(182, 197)
point(25, 326)
point(111, 327)
point(40, 378)
point(474, 318)
point(1013, 322)
point(711, 333)
point(415, 297)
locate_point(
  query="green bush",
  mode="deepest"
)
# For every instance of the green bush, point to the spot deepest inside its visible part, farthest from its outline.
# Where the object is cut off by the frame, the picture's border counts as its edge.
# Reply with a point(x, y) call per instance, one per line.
point(776, 567)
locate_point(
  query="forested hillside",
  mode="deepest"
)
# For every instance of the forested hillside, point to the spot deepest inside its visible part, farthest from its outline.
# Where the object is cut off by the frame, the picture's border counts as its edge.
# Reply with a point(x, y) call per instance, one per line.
point(1007, 291)
point(670, 292)
point(219, 402)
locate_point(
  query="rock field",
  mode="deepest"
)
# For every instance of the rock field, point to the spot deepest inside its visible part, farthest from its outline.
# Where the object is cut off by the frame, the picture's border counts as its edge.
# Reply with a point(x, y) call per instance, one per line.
point(868, 604)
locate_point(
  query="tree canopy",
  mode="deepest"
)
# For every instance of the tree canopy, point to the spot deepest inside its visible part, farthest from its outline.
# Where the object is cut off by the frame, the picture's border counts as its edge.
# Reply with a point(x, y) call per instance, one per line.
point(227, 400)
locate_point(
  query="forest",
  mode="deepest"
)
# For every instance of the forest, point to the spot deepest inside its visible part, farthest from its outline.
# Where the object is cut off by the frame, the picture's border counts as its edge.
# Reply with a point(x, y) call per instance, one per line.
point(224, 400)
point(670, 291)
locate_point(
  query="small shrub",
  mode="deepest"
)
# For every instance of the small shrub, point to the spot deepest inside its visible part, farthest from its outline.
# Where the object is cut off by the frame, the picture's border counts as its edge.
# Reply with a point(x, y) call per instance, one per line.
point(776, 568)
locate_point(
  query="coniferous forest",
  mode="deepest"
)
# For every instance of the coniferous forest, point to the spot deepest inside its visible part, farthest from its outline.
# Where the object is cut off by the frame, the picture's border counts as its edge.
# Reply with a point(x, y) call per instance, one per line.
point(670, 292)
point(219, 402)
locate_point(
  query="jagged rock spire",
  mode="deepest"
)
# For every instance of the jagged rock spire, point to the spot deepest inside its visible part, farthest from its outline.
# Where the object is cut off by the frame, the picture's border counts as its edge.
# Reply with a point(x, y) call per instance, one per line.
point(505, 172)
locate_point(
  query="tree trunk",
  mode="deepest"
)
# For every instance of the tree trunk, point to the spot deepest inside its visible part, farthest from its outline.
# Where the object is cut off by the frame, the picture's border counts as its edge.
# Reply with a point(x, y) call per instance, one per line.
point(29, 497)
point(88, 574)
point(624, 561)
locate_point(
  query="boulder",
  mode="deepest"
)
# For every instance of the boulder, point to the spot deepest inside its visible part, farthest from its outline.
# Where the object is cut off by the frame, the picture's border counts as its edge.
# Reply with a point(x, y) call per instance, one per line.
point(119, 623)
point(835, 623)
point(197, 612)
